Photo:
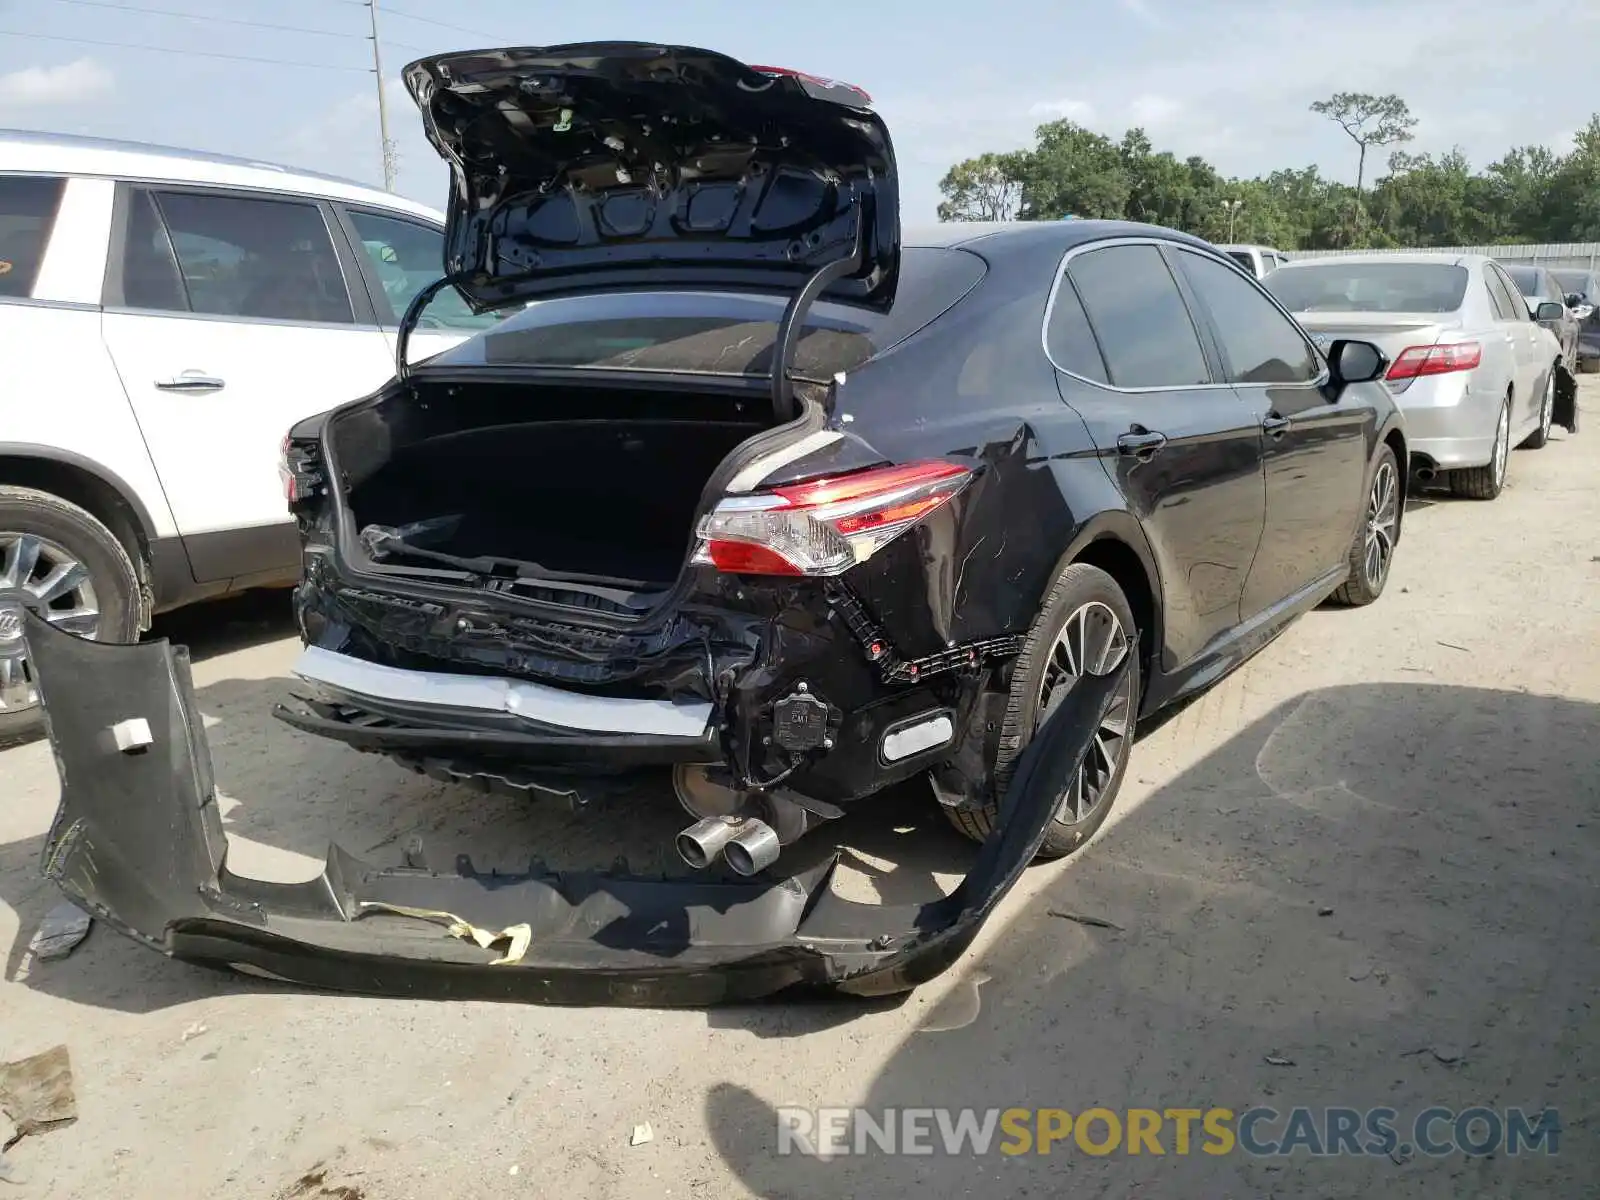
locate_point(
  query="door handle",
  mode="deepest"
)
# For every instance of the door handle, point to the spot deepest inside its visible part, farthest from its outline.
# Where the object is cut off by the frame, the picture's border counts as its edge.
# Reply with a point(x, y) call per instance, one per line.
point(1141, 443)
point(192, 381)
point(1275, 426)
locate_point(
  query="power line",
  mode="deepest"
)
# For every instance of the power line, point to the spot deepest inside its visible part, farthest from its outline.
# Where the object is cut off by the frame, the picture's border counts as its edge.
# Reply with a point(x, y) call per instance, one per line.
point(281, 62)
point(167, 12)
point(398, 12)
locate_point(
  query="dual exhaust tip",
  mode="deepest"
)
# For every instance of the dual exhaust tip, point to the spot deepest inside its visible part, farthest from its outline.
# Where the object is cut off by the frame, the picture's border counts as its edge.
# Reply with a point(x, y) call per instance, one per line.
point(748, 844)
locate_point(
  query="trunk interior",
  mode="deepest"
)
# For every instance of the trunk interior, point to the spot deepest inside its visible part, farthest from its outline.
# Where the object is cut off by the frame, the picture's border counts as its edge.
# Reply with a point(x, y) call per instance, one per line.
point(587, 483)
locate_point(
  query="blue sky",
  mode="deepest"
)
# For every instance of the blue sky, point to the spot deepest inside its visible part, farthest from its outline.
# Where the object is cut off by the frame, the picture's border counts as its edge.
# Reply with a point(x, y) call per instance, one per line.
point(1229, 79)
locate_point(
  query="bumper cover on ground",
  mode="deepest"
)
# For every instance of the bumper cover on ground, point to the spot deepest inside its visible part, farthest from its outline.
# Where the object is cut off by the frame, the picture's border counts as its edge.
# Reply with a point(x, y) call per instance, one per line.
point(138, 841)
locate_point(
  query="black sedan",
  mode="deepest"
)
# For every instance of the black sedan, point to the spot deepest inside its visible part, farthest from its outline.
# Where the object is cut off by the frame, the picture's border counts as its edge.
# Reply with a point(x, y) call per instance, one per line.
point(759, 493)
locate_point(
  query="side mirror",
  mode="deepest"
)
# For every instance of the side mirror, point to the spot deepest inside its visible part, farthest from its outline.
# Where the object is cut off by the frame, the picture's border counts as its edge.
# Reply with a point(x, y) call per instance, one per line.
point(1549, 310)
point(1355, 362)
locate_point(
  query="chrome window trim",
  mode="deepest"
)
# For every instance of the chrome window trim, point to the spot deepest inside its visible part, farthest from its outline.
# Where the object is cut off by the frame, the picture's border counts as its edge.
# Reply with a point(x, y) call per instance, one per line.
point(1159, 389)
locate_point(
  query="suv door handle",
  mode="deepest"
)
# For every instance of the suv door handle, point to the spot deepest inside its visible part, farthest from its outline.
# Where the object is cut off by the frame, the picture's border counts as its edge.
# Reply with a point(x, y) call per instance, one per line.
point(1141, 443)
point(192, 381)
point(1275, 426)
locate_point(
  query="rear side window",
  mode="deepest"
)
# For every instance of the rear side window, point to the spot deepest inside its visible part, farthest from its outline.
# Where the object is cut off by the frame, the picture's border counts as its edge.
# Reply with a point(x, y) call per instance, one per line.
point(232, 256)
point(1139, 318)
point(1260, 343)
point(1511, 301)
point(404, 257)
point(27, 210)
point(1068, 336)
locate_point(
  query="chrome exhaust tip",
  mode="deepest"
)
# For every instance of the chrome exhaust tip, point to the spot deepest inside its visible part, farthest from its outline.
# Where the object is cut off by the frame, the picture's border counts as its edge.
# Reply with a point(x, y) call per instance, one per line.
point(700, 844)
point(753, 849)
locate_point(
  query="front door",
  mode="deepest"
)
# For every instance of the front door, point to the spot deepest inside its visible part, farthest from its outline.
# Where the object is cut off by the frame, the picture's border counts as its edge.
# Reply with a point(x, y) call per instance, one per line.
point(1316, 449)
point(1184, 449)
point(230, 318)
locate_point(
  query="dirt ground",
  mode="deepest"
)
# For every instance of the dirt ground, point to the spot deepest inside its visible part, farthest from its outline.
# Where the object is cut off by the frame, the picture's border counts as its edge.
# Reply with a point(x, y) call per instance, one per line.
point(1360, 872)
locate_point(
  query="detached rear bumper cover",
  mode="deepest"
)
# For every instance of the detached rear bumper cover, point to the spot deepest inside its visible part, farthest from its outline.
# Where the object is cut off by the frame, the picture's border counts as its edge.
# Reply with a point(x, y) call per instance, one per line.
point(138, 841)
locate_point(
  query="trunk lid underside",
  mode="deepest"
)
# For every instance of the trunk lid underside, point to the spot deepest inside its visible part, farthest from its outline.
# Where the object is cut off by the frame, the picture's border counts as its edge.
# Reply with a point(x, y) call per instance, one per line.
point(625, 164)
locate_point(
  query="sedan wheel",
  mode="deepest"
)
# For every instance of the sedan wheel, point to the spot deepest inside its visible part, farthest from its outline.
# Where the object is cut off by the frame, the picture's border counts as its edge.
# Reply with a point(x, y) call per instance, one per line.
point(1383, 518)
point(1547, 414)
point(1092, 642)
point(1486, 482)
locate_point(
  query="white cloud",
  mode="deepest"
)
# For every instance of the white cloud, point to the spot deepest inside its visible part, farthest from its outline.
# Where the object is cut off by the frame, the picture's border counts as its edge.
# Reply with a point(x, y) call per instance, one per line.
point(42, 87)
point(1080, 111)
point(1152, 111)
point(1141, 12)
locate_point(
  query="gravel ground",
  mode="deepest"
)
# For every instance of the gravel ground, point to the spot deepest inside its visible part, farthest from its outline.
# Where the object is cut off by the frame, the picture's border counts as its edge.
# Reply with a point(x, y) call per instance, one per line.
point(1361, 872)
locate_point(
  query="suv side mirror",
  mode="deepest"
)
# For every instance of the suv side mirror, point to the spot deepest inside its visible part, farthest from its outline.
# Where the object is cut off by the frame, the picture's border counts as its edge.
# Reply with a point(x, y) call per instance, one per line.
point(1549, 310)
point(1355, 362)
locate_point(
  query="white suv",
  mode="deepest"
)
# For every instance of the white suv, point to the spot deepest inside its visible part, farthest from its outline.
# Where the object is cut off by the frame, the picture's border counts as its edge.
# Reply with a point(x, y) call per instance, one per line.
point(166, 317)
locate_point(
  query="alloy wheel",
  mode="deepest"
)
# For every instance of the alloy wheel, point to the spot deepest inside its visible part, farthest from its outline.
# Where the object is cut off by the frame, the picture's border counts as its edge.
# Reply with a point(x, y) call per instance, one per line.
point(1383, 515)
point(1091, 642)
point(38, 573)
point(1547, 408)
point(1502, 445)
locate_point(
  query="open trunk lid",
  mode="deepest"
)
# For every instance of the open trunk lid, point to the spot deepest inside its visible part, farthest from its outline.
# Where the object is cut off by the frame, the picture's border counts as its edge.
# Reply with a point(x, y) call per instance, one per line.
point(628, 165)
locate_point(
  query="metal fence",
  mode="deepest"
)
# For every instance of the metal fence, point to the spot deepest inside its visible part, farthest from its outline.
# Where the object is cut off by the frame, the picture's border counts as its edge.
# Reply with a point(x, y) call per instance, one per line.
point(1556, 255)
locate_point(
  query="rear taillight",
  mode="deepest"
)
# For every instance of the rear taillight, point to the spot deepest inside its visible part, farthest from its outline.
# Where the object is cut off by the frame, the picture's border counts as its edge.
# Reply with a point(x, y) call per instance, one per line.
point(827, 526)
point(299, 469)
point(816, 79)
point(1416, 361)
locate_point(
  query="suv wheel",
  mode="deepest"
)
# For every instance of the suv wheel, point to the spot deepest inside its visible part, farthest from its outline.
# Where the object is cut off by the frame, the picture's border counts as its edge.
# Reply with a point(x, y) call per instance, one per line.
point(59, 560)
point(1085, 627)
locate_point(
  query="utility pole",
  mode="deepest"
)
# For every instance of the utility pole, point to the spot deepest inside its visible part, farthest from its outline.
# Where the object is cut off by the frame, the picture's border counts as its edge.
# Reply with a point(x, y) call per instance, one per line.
point(1233, 207)
point(383, 104)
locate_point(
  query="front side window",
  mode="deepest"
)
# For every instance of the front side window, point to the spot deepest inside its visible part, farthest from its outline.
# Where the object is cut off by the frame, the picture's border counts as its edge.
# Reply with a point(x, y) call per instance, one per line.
point(405, 257)
point(1260, 343)
point(234, 256)
point(1139, 318)
point(27, 211)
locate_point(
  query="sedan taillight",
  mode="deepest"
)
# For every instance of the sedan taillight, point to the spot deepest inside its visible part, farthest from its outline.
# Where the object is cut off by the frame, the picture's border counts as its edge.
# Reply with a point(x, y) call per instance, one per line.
point(299, 469)
point(1416, 361)
point(827, 526)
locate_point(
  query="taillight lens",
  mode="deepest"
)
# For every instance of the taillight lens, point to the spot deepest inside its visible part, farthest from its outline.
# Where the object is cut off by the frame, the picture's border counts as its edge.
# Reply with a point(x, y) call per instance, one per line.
point(1416, 361)
point(299, 469)
point(816, 79)
point(827, 526)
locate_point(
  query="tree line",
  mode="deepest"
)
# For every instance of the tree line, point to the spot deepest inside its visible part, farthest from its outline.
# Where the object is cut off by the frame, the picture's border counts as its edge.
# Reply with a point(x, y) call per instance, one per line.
point(1532, 194)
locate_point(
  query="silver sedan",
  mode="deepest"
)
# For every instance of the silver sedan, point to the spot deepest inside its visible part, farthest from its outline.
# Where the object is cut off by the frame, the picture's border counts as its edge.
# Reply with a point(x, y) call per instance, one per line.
point(1471, 367)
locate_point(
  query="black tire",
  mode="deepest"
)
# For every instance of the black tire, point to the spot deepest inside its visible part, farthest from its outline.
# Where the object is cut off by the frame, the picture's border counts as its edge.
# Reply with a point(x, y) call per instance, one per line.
point(1540, 437)
point(89, 542)
point(1366, 584)
point(1078, 585)
point(1482, 483)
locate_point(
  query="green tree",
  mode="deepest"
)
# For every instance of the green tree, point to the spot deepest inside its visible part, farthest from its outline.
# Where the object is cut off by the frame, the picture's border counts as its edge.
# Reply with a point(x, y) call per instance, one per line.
point(986, 188)
point(1368, 121)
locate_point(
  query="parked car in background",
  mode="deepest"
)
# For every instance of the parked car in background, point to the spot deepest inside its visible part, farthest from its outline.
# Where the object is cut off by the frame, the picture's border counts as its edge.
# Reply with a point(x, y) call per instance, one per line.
point(1540, 290)
point(1258, 260)
point(166, 315)
point(1582, 290)
point(1473, 371)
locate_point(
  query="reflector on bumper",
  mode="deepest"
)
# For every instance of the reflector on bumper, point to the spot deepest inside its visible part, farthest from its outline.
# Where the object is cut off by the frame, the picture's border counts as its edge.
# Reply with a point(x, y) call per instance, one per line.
point(138, 841)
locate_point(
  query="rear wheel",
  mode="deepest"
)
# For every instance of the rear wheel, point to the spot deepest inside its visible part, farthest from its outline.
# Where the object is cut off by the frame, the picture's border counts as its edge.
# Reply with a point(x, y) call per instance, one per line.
point(1547, 413)
point(1487, 482)
point(60, 560)
point(1085, 628)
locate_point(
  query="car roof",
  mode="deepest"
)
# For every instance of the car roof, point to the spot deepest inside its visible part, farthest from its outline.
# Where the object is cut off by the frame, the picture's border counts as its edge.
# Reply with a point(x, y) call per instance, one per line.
point(1227, 246)
point(28, 151)
point(1057, 235)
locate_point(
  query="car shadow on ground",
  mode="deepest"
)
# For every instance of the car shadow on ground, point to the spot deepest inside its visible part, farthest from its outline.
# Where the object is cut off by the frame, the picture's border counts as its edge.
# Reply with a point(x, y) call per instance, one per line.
point(1378, 895)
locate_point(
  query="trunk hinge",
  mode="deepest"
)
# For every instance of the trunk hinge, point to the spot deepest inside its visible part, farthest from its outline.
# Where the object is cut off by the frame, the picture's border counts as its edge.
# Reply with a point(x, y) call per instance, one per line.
point(794, 316)
point(413, 314)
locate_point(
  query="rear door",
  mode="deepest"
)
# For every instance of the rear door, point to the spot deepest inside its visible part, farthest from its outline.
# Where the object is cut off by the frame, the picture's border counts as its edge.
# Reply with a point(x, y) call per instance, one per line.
point(230, 317)
point(1521, 329)
point(1315, 449)
point(1183, 447)
point(399, 256)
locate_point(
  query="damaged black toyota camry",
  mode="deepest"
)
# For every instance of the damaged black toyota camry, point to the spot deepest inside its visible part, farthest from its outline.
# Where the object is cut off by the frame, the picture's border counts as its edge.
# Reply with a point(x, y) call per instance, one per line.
point(754, 492)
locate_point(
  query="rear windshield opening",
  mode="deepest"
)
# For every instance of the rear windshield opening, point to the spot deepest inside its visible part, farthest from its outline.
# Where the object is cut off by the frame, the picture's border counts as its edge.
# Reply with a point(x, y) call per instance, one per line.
point(718, 333)
point(1369, 287)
